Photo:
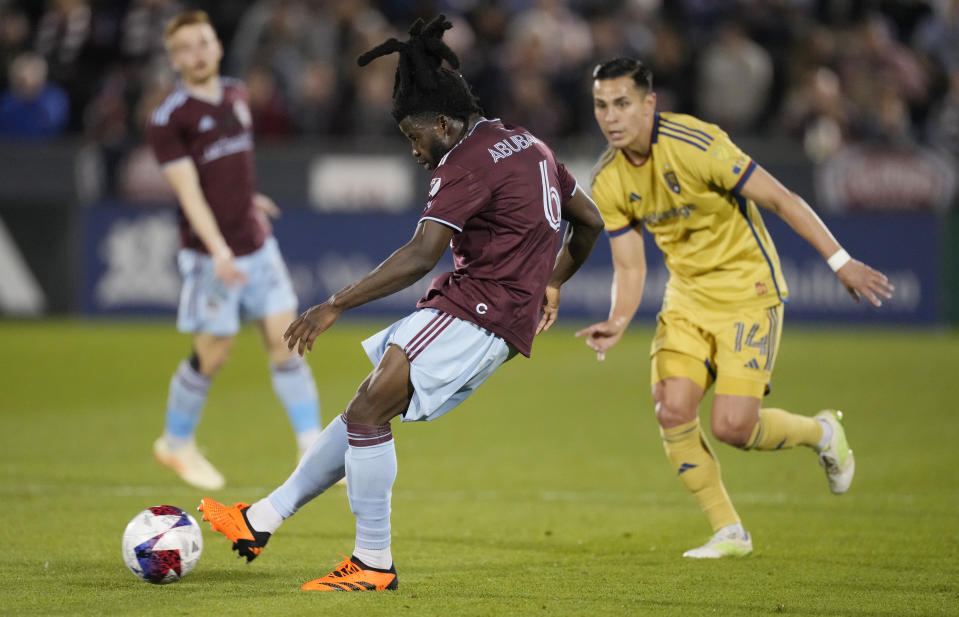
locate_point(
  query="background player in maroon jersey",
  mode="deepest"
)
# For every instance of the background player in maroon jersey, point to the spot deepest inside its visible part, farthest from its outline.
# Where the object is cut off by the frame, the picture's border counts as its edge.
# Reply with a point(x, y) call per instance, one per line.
point(202, 136)
point(497, 198)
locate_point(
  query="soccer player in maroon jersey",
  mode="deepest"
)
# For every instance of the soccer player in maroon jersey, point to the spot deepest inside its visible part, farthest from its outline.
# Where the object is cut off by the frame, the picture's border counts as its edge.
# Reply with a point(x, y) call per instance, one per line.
point(202, 135)
point(497, 198)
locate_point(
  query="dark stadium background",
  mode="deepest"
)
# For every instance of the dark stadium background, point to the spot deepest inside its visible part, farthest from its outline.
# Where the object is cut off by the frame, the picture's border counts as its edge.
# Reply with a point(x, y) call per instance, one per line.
point(853, 104)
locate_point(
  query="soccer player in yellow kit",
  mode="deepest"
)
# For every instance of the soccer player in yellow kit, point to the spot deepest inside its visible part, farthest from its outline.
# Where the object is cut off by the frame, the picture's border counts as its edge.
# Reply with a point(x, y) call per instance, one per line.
point(696, 193)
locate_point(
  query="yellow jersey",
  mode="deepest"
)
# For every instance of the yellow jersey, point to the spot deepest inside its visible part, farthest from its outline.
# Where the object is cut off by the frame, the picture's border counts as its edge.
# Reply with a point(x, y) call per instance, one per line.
point(686, 194)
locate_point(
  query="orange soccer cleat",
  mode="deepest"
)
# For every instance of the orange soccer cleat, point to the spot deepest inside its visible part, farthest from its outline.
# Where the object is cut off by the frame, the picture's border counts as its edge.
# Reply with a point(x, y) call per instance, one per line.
point(231, 521)
point(353, 575)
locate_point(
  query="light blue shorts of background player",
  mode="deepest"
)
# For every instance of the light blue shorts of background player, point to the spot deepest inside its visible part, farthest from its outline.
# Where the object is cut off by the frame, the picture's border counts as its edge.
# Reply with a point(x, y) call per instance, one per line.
point(210, 305)
point(449, 358)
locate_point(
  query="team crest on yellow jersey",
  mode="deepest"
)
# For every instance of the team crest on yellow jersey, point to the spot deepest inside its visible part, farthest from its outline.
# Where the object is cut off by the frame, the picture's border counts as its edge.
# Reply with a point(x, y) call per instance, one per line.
point(672, 181)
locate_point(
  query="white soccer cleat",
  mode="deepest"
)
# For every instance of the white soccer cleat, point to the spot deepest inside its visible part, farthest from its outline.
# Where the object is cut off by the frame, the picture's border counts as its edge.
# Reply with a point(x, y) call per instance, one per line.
point(727, 542)
point(190, 464)
point(836, 457)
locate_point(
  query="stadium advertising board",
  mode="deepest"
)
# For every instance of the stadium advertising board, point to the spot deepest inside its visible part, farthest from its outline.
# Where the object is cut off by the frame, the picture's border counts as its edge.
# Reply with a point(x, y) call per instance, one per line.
point(129, 265)
point(870, 178)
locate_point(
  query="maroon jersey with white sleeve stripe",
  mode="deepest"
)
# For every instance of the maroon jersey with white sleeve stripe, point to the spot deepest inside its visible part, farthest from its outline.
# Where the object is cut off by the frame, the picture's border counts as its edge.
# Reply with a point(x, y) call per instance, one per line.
point(501, 190)
point(218, 137)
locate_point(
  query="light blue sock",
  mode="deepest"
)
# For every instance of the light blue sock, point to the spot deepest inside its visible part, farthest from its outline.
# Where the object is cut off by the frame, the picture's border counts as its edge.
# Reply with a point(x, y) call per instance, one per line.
point(294, 385)
point(188, 390)
point(371, 472)
point(320, 468)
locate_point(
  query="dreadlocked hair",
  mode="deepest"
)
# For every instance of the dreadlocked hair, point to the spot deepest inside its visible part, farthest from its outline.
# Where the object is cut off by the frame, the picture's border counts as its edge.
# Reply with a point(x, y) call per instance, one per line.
point(422, 84)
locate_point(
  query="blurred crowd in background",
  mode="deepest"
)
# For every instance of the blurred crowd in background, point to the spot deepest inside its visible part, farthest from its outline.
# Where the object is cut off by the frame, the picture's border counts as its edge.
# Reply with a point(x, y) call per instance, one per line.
point(826, 72)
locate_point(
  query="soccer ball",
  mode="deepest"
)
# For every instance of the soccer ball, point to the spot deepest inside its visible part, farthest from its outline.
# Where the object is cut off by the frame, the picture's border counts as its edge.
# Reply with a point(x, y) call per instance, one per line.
point(162, 544)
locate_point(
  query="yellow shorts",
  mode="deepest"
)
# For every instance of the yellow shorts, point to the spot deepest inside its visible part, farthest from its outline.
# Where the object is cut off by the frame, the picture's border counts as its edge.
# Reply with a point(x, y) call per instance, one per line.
point(735, 349)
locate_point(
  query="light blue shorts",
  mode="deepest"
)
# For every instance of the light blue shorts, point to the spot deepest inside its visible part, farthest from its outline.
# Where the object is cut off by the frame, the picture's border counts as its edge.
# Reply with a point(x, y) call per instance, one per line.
point(211, 306)
point(449, 358)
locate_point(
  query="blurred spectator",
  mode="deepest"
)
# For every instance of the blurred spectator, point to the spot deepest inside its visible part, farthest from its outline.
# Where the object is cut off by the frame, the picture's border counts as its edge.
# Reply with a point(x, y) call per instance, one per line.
point(942, 129)
point(828, 73)
point(937, 39)
point(14, 39)
point(370, 111)
point(367, 93)
point(534, 107)
point(671, 63)
point(139, 177)
point(548, 53)
point(819, 114)
point(62, 33)
point(734, 79)
point(482, 66)
point(106, 123)
point(141, 36)
point(32, 108)
point(817, 48)
point(886, 119)
point(78, 44)
point(550, 38)
point(611, 39)
point(874, 54)
point(283, 35)
point(267, 104)
point(315, 107)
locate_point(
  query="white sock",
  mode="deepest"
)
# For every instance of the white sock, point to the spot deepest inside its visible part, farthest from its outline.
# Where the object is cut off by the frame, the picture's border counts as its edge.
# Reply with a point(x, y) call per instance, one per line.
point(370, 473)
point(379, 558)
point(264, 517)
point(826, 435)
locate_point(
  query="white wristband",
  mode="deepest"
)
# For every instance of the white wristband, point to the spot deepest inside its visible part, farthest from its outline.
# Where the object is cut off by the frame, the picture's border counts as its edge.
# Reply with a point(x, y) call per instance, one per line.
point(839, 259)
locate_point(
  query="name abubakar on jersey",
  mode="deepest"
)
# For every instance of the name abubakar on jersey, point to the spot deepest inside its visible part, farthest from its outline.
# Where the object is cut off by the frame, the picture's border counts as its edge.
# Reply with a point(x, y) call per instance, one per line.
point(514, 143)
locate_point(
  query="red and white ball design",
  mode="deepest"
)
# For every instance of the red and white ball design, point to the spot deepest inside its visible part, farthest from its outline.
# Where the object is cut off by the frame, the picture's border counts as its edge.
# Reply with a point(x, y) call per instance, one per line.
point(162, 544)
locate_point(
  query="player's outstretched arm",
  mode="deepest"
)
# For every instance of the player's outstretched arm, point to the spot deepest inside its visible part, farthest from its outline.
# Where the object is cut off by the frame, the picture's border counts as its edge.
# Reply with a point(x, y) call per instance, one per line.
point(183, 177)
point(585, 224)
point(629, 278)
point(404, 267)
point(858, 278)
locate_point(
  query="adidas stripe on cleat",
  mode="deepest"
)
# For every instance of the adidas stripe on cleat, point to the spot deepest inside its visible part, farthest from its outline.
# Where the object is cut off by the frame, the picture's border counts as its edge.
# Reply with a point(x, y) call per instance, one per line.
point(354, 575)
point(231, 521)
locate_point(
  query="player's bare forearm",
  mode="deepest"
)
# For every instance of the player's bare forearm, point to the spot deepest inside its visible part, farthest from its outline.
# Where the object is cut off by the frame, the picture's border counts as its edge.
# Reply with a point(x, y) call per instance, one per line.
point(766, 191)
point(627, 292)
point(183, 177)
point(629, 276)
point(858, 278)
point(185, 180)
point(577, 245)
point(404, 267)
point(585, 224)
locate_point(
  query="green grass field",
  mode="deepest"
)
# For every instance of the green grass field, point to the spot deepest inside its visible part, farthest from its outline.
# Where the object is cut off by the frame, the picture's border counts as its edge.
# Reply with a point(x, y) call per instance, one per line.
point(546, 493)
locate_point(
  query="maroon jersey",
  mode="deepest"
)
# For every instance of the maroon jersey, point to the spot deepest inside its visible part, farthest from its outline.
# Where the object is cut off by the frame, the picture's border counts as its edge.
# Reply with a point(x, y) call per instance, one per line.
point(501, 190)
point(218, 137)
